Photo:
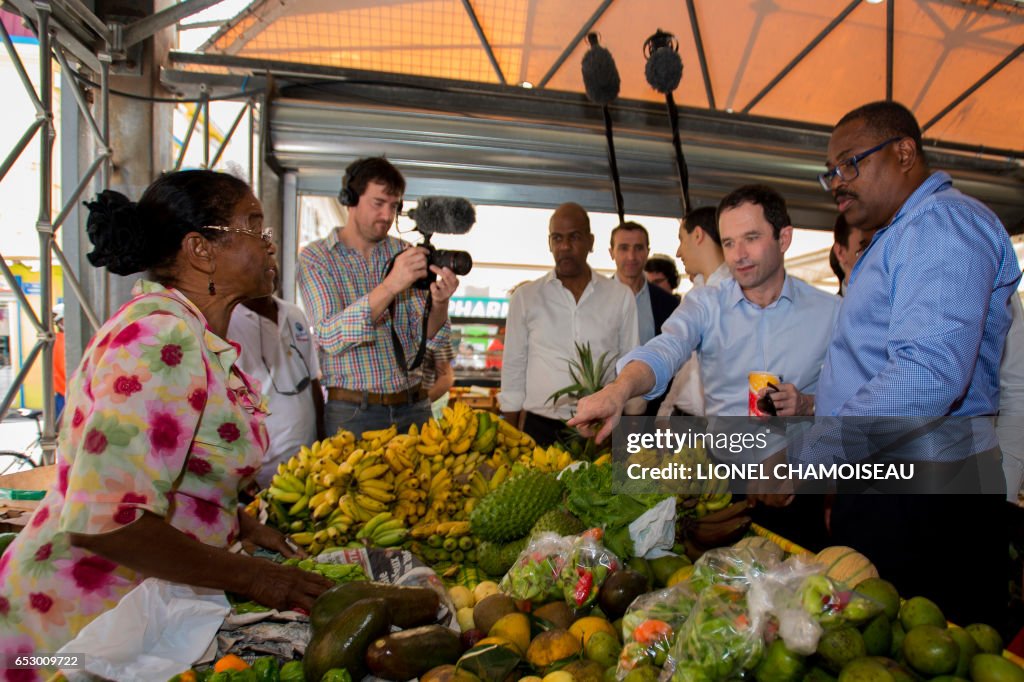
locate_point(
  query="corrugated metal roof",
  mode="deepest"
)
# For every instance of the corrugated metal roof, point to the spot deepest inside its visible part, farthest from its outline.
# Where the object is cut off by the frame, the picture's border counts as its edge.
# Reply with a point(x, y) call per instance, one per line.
point(941, 50)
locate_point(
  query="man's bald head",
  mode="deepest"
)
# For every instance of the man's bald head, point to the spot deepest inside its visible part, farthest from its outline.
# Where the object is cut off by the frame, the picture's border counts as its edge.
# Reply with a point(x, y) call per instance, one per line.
point(571, 211)
point(570, 240)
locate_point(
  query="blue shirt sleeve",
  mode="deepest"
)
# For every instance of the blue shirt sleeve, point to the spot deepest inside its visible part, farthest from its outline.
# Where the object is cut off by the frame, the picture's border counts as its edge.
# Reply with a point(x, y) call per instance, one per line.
point(680, 336)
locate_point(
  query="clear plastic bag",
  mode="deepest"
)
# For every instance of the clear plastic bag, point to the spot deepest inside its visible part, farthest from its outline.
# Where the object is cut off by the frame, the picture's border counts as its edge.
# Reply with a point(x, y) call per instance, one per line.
point(785, 602)
point(585, 570)
point(718, 641)
point(735, 567)
point(535, 575)
point(650, 625)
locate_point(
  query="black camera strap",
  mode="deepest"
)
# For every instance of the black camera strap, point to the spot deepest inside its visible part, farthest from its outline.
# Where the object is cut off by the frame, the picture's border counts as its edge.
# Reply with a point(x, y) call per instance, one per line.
point(396, 342)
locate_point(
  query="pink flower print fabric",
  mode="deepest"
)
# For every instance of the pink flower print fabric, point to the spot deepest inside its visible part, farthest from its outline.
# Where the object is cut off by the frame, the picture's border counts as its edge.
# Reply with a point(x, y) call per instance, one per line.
point(158, 419)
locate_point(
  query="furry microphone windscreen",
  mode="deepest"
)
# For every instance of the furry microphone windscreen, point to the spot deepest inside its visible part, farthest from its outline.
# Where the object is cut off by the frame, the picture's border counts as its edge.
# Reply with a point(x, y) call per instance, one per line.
point(443, 215)
point(664, 69)
point(600, 77)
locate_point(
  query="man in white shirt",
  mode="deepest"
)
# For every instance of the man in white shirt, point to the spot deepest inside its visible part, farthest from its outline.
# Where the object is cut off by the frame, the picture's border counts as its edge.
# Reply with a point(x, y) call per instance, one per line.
point(549, 316)
point(277, 351)
point(700, 250)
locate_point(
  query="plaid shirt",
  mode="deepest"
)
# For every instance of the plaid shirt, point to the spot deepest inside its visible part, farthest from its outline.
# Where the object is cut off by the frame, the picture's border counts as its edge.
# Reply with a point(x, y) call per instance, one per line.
point(355, 351)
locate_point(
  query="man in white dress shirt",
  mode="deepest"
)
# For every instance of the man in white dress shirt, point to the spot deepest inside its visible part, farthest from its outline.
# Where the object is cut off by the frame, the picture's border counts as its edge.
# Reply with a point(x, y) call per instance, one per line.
point(548, 316)
point(277, 351)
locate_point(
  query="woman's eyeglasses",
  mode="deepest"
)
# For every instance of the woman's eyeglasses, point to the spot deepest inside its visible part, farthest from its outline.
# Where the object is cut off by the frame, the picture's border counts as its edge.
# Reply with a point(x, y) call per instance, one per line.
point(266, 234)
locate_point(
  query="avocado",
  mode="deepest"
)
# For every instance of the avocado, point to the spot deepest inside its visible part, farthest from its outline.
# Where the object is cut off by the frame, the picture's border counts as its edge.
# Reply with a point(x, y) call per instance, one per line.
point(410, 653)
point(408, 606)
point(619, 590)
point(342, 643)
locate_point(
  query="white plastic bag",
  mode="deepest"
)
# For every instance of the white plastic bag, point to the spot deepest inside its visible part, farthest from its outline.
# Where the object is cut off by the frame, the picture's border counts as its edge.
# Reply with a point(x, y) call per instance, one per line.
point(156, 631)
point(654, 532)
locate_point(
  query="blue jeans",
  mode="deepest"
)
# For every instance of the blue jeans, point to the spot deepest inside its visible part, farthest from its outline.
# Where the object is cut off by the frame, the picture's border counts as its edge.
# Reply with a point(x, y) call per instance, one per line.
point(353, 417)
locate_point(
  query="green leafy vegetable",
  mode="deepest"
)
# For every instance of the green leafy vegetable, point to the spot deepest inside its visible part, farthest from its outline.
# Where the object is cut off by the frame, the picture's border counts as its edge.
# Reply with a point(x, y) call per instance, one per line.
point(592, 500)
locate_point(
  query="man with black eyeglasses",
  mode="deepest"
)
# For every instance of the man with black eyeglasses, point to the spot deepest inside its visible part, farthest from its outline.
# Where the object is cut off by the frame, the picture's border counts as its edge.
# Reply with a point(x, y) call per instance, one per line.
point(277, 351)
point(920, 334)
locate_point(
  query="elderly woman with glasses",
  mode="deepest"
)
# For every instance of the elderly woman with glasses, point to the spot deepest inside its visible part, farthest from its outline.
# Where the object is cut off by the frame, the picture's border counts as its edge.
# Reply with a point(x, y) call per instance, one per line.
point(161, 429)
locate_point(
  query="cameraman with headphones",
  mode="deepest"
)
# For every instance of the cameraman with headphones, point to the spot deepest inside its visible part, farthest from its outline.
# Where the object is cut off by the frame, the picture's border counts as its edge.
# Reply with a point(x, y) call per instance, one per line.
point(369, 318)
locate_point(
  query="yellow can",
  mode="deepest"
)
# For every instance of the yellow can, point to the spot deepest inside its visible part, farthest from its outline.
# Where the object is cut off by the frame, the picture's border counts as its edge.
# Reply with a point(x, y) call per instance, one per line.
point(756, 381)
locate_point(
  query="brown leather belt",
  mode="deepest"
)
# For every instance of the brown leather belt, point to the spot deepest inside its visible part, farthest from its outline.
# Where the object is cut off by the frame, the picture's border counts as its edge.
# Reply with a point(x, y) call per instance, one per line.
point(398, 398)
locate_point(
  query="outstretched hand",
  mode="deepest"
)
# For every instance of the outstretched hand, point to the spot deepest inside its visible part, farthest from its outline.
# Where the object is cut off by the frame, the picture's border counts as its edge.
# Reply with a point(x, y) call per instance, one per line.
point(598, 414)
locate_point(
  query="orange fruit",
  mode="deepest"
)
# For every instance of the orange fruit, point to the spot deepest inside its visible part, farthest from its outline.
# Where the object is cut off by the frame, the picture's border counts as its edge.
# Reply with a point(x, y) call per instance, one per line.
point(229, 662)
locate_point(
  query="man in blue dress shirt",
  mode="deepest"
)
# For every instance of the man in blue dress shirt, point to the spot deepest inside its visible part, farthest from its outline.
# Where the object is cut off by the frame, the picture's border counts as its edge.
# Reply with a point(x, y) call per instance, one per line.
point(759, 320)
point(920, 333)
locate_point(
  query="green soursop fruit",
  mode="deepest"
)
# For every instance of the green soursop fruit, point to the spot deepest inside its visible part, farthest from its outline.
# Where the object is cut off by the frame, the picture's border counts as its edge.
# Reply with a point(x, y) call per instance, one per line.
point(510, 511)
point(558, 521)
point(495, 559)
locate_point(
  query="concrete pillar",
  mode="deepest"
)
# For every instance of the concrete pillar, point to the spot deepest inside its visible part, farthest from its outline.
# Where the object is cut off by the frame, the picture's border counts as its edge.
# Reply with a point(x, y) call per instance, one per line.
point(140, 134)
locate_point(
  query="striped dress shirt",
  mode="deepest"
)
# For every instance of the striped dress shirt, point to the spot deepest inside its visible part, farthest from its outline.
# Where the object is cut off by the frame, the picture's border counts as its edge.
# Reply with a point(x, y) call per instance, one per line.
point(355, 351)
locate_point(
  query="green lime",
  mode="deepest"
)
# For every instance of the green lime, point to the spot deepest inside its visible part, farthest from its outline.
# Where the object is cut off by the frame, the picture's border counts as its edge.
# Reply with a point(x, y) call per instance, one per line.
point(779, 664)
point(864, 670)
point(816, 674)
point(643, 673)
point(882, 592)
point(840, 646)
point(986, 637)
point(994, 668)
point(602, 648)
point(898, 672)
point(877, 636)
point(921, 611)
point(968, 648)
point(931, 650)
point(898, 633)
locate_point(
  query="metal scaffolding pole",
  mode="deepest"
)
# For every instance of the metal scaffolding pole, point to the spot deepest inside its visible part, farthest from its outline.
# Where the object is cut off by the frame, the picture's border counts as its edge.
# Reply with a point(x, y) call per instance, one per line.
point(44, 226)
point(50, 48)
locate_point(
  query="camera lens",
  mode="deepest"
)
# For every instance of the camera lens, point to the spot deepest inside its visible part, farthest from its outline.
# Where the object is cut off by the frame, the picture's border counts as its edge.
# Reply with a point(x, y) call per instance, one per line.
point(459, 262)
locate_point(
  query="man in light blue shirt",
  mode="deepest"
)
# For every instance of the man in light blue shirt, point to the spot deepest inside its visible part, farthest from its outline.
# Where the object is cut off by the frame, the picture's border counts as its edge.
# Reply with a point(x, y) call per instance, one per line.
point(920, 334)
point(761, 319)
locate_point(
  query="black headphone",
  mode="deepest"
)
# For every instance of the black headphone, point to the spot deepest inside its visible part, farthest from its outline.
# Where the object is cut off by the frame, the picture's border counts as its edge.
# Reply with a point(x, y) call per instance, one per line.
point(347, 196)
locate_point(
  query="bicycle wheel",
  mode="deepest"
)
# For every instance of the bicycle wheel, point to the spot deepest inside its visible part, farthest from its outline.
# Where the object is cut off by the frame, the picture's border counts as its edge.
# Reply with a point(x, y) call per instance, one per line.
point(12, 462)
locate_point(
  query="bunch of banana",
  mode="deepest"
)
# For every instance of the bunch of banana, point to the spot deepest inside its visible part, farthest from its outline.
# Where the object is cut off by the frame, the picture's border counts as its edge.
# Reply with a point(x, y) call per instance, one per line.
point(372, 490)
point(511, 437)
point(480, 486)
point(459, 424)
point(486, 433)
point(378, 438)
point(383, 530)
point(401, 454)
point(445, 529)
point(410, 503)
point(549, 460)
point(433, 441)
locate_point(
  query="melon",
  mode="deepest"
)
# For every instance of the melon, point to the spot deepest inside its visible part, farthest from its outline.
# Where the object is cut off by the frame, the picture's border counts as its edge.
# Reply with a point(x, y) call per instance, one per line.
point(846, 565)
point(760, 544)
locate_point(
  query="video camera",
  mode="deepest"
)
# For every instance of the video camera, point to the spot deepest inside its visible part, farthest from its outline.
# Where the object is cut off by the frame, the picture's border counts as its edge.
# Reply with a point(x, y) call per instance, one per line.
point(443, 215)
